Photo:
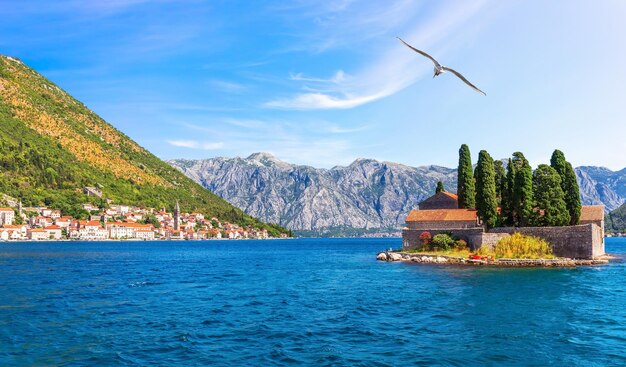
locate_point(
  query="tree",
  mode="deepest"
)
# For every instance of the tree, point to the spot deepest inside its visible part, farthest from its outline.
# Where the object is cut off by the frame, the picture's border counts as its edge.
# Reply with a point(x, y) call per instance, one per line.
point(522, 190)
point(465, 184)
point(507, 212)
point(501, 183)
point(486, 200)
point(440, 187)
point(569, 184)
point(549, 197)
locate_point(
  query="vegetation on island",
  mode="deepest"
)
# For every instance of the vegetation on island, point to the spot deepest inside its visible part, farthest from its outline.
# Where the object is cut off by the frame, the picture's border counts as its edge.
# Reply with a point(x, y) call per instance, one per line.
point(518, 196)
point(440, 187)
point(518, 246)
point(52, 146)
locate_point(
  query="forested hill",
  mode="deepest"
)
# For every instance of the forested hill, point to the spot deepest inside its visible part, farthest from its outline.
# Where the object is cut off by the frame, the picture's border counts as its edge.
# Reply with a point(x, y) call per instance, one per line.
point(616, 220)
point(51, 146)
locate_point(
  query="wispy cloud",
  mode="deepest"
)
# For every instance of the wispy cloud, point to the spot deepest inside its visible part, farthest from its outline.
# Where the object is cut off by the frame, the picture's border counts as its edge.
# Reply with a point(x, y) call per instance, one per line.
point(395, 70)
point(193, 144)
point(338, 77)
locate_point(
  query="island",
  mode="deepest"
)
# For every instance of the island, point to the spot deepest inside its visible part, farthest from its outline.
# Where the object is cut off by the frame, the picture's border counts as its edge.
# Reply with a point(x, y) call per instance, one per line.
point(505, 214)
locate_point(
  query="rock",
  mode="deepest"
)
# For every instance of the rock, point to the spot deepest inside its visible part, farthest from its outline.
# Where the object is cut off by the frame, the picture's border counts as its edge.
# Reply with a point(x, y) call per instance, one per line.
point(441, 259)
point(416, 259)
point(394, 256)
point(382, 257)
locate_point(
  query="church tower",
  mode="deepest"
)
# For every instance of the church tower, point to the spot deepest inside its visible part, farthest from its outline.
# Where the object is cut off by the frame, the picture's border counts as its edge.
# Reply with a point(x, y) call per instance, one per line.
point(176, 217)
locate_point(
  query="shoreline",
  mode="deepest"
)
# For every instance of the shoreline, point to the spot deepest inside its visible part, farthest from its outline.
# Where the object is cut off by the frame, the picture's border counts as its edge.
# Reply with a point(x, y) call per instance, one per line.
point(399, 256)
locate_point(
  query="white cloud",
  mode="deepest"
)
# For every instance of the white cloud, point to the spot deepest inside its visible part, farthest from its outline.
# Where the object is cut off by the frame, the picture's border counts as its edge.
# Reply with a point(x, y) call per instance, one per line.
point(396, 69)
point(193, 144)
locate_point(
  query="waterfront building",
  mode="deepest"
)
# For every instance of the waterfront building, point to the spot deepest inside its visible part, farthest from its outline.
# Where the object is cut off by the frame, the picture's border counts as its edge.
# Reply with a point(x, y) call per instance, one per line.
point(7, 216)
point(37, 234)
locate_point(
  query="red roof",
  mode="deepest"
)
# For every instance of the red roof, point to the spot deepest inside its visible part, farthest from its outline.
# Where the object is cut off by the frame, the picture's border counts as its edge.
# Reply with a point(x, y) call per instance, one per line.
point(592, 213)
point(441, 215)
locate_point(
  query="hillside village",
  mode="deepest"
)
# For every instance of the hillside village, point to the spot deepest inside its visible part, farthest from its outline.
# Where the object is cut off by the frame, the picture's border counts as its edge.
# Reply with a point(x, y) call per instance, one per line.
point(116, 222)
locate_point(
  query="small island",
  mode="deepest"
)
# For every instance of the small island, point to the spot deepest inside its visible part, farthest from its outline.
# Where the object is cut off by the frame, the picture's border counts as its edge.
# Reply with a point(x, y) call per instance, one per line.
point(505, 215)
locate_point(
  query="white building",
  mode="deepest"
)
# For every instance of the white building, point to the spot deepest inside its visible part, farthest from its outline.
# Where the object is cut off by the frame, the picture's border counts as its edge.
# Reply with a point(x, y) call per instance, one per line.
point(7, 216)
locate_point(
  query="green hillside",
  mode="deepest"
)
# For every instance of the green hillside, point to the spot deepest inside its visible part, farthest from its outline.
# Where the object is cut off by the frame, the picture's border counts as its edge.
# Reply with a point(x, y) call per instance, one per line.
point(51, 146)
point(615, 221)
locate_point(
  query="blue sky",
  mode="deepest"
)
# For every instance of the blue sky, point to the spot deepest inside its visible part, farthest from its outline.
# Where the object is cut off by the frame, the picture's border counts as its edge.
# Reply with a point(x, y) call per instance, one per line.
point(325, 82)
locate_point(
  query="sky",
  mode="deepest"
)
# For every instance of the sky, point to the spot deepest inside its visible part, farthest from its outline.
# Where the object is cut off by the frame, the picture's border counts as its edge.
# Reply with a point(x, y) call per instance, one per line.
point(325, 82)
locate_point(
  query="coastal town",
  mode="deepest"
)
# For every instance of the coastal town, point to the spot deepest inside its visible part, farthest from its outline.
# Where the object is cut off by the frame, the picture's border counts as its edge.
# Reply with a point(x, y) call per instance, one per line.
point(116, 222)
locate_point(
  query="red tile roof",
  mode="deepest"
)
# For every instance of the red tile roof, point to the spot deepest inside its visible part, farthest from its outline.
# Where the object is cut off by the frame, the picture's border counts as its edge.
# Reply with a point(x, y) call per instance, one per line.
point(592, 213)
point(437, 215)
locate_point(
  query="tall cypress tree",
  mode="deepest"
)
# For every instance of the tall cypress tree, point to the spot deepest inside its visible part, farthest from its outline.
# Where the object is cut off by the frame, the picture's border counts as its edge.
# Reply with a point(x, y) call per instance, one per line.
point(507, 213)
point(549, 197)
point(569, 184)
point(500, 180)
point(440, 187)
point(486, 201)
point(465, 184)
point(522, 190)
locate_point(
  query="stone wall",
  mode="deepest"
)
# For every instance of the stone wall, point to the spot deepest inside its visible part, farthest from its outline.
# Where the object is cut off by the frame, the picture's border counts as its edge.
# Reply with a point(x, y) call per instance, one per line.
point(585, 241)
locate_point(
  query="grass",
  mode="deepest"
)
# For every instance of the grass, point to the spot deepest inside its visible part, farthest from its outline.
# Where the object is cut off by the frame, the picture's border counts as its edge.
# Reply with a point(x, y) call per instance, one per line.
point(452, 253)
point(518, 246)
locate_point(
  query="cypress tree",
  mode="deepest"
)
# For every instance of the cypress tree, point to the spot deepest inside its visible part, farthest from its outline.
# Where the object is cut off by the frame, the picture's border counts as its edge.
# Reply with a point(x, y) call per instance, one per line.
point(486, 201)
point(500, 180)
point(440, 187)
point(465, 184)
point(569, 184)
point(549, 197)
point(507, 212)
point(522, 190)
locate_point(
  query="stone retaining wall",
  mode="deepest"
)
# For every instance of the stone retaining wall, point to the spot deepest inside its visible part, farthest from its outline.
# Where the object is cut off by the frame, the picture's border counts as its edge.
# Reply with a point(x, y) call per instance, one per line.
point(585, 241)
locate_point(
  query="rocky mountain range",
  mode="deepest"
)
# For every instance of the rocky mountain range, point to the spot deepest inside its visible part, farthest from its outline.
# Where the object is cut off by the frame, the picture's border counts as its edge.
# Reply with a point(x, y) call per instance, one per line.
point(365, 196)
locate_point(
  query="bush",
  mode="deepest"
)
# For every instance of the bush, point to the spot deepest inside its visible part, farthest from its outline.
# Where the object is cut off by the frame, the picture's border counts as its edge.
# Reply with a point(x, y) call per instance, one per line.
point(518, 246)
point(460, 245)
point(425, 239)
point(443, 241)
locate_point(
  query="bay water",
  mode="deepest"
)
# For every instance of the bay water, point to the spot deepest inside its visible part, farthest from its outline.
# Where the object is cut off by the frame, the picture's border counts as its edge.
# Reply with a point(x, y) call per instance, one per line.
point(298, 302)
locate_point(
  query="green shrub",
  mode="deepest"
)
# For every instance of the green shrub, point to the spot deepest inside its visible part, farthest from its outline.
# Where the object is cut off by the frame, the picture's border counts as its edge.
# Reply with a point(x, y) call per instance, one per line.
point(518, 246)
point(442, 241)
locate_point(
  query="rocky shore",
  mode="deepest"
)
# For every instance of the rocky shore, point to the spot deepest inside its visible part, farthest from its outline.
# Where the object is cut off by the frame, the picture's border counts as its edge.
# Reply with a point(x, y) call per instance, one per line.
point(391, 256)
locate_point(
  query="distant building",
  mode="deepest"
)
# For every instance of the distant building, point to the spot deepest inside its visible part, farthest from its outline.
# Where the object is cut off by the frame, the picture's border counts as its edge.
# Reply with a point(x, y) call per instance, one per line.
point(7, 216)
point(92, 191)
point(441, 200)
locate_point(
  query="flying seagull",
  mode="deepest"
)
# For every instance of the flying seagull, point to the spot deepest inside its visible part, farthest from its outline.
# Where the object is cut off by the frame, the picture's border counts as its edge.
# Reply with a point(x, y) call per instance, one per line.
point(440, 69)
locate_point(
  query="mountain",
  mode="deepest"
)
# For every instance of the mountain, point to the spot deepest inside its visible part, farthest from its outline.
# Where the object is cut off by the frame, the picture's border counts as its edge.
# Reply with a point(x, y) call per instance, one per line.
point(599, 185)
point(366, 196)
point(52, 146)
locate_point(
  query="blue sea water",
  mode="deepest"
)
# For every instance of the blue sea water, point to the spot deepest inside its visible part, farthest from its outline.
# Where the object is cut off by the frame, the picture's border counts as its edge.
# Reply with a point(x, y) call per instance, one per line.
point(298, 302)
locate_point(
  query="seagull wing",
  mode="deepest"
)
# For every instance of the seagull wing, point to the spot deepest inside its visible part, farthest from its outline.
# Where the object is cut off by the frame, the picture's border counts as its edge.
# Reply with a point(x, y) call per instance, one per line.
point(463, 79)
point(420, 52)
